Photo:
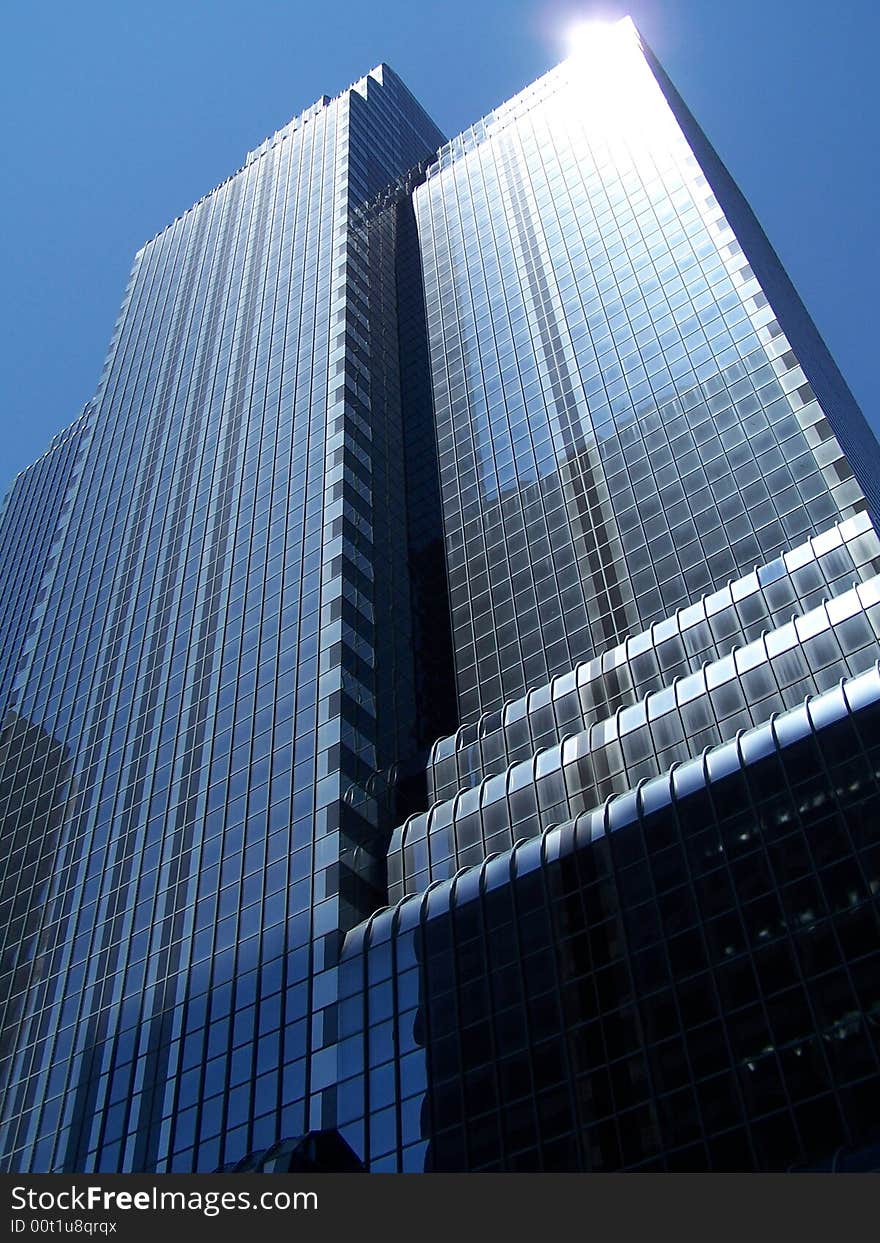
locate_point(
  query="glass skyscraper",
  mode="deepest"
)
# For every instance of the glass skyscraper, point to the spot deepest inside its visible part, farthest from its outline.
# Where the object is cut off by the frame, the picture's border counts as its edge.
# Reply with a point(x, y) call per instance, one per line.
point(440, 688)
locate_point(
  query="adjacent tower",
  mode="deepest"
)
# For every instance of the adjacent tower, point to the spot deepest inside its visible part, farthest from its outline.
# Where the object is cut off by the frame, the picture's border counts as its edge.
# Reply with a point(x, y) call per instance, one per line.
point(212, 670)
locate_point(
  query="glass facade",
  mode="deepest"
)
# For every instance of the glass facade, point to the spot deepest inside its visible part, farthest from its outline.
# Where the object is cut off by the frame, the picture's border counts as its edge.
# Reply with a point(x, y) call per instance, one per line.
point(684, 979)
point(613, 739)
point(623, 423)
point(439, 673)
point(195, 718)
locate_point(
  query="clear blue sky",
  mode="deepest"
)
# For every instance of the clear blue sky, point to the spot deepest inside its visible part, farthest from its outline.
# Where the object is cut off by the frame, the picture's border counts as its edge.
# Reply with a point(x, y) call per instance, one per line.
point(120, 114)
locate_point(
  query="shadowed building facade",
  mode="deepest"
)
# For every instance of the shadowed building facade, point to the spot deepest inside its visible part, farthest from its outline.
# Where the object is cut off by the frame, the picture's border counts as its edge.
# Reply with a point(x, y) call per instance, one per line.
point(440, 722)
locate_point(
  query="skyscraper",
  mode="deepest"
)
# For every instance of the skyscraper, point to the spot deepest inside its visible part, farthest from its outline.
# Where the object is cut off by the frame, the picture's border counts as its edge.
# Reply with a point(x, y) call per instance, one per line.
point(440, 672)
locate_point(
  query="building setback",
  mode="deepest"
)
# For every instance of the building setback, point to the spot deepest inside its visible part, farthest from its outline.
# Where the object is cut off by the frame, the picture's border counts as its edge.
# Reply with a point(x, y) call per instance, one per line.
point(440, 688)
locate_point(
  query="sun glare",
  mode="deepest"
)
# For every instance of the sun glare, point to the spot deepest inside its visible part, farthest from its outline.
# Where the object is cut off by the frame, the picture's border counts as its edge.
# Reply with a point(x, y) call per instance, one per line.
point(594, 38)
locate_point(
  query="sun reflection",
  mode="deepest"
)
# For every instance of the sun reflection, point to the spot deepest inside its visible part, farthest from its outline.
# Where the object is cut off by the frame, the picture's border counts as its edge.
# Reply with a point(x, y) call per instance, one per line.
point(589, 37)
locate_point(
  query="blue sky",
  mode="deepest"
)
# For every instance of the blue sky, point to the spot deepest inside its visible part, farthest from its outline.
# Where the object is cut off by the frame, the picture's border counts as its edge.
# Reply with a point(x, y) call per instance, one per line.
point(119, 115)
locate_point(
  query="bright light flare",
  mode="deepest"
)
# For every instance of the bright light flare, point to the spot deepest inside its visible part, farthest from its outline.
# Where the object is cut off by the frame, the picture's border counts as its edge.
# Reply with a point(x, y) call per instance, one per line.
point(588, 36)
point(595, 39)
point(610, 81)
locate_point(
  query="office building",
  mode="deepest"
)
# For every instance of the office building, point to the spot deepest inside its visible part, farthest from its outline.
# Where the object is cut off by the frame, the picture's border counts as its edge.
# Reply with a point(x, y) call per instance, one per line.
point(441, 687)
